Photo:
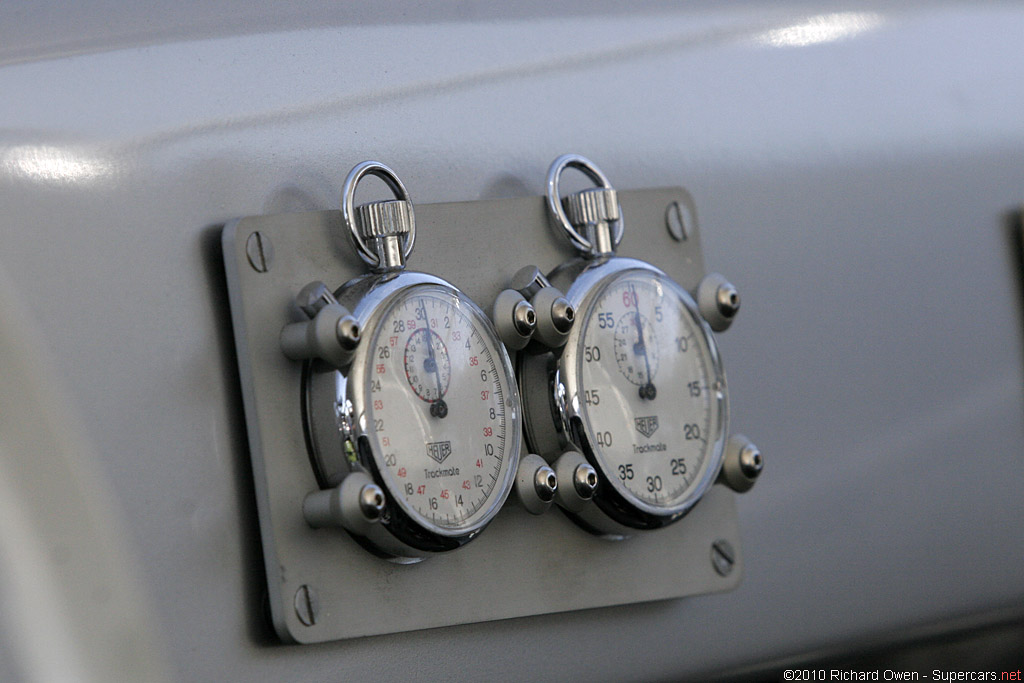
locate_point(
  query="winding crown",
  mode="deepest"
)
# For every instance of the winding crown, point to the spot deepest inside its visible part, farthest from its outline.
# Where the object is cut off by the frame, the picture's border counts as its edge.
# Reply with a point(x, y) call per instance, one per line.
point(379, 219)
point(592, 206)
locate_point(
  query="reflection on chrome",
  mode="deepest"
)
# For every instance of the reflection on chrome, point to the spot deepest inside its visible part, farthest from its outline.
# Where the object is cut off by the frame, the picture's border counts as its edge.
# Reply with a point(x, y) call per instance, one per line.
point(52, 164)
point(824, 28)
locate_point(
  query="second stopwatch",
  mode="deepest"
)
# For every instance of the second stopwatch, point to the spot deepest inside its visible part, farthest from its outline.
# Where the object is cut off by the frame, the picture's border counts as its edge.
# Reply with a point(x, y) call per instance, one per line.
point(637, 387)
point(423, 412)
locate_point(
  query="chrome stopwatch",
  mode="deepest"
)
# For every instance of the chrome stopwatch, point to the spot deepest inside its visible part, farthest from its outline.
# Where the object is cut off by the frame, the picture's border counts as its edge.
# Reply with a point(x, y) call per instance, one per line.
point(636, 384)
point(411, 408)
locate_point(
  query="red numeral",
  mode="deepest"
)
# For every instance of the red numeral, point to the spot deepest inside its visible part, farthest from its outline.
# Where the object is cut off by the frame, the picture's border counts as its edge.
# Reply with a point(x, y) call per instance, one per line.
point(473, 360)
point(401, 471)
point(445, 494)
point(433, 322)
point(386, 441)
point(488, 431)
point(456, 335)
point(465, 484)
point(411, 324)
point(484, 395)
point(393, 341)
point(378, 405)
point(421, 489)
point(479, 462)
point(628, 299)
point(380, 368)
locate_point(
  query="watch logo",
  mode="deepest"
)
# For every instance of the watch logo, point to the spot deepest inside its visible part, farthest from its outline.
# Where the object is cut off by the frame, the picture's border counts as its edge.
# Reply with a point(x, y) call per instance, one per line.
point(647, 425)
point(439, 450)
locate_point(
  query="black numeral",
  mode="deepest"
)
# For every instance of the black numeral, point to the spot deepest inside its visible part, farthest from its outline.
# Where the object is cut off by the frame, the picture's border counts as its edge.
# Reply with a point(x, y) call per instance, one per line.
point(591, 354)
point(626, 471)
point(604, 439)
point(694, 388)
point(678, 466)
point(691, 432)
point(591, 397)
point(653, 484)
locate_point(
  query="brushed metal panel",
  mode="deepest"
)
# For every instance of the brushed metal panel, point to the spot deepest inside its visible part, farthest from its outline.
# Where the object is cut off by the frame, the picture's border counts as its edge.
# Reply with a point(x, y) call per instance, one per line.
point(521, 565)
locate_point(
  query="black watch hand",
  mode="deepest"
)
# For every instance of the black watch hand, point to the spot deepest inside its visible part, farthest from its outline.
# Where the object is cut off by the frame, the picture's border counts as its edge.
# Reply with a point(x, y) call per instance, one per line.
point(438, 408)
point(647, 391)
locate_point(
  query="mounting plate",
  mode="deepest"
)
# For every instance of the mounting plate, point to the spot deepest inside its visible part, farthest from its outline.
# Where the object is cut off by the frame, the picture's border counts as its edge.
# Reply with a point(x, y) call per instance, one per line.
point(521, 565)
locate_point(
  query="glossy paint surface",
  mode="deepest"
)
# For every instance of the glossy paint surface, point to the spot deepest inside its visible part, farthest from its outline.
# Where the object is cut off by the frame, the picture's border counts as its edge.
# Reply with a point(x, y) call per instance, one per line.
point(853, 165)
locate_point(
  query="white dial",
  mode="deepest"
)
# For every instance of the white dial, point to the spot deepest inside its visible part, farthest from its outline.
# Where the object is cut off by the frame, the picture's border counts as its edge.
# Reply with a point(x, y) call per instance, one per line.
point(440, 409)
point(652, 396)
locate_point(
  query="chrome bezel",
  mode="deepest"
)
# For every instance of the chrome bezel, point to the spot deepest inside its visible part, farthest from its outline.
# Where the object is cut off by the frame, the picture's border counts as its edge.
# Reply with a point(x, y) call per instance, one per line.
point(336, 411)
point(591, 281)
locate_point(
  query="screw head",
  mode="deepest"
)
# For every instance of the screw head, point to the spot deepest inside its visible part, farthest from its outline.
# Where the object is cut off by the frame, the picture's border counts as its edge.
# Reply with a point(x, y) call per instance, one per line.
point(371, 502)
point(307, 605)
point(723, 557)
point(728, 300)
point(545, 483)
point(347, 331)
point(584, 480)
point(751, 461)
point(562, 315)
point(677, 220)
point(260, 251)
point(524, 318)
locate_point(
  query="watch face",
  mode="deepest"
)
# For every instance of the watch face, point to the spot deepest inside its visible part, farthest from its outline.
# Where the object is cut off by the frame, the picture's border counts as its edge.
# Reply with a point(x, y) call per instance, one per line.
point(440, 409)
point(652, 395)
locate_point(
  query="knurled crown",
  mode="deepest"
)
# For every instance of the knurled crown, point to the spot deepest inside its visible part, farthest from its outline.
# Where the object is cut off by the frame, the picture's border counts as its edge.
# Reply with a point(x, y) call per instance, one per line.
point(378, 219)
point(592, 206)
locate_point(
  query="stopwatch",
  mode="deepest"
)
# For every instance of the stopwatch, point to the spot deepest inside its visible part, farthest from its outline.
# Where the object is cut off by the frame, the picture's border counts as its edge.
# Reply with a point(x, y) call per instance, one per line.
point(637, 385)
point(414, 423)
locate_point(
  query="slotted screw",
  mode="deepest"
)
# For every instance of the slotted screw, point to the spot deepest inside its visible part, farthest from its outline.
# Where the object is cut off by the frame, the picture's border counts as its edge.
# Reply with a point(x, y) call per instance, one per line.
point(307, 605)
point(676, 221)
point(260, 252)
point(723, 557)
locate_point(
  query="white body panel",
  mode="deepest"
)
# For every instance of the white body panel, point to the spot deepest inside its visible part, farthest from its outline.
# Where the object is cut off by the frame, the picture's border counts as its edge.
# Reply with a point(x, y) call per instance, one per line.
point(853, 168)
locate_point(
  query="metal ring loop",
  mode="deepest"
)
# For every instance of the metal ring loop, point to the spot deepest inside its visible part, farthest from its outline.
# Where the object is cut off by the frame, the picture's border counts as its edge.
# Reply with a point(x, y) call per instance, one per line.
point(348, 193)
point(588, 168)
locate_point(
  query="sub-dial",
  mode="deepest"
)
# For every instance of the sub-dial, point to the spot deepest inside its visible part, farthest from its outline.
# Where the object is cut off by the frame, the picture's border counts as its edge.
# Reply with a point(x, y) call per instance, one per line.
point(428, 369)
point(636, 352)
